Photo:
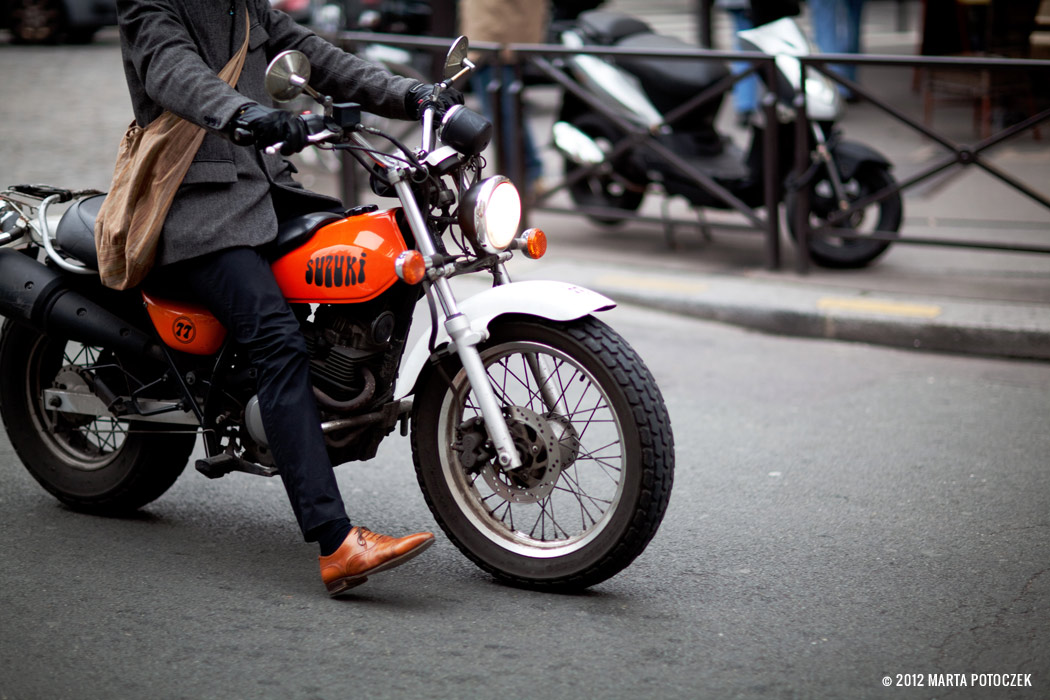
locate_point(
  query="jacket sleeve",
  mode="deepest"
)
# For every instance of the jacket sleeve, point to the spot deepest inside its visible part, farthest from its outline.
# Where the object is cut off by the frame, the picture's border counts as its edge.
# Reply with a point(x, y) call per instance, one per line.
point(165, 58)
point(335, 72)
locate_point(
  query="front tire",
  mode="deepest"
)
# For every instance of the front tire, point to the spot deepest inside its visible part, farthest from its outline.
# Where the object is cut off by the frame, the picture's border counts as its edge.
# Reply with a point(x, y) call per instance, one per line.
point(92, 464)
point(597, 468)
point(884, 215)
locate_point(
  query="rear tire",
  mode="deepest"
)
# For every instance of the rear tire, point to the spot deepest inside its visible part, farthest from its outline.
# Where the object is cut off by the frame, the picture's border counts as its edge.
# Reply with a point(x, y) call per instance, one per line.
point(91, 464)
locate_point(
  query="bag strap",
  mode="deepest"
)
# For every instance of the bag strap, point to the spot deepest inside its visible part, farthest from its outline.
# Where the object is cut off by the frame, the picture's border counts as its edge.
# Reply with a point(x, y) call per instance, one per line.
point(231, 72)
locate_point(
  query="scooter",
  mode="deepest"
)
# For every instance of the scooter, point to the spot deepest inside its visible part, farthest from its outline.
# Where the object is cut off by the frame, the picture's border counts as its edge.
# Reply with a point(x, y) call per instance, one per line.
point(540, 439)
point(643, 91)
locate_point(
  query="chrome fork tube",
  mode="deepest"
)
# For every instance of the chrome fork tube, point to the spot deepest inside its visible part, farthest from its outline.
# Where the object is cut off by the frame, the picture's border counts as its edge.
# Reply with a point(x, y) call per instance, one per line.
point(465, 339)
point(542, 375)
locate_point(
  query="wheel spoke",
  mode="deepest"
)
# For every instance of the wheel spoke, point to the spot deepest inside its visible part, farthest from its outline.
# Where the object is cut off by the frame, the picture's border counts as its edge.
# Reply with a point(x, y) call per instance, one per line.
point(581, 496)
point(565, 426)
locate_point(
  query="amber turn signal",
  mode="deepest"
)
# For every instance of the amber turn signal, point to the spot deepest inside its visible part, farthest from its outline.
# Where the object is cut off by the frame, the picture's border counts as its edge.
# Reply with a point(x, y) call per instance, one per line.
point(411, 267)
point(532, 243)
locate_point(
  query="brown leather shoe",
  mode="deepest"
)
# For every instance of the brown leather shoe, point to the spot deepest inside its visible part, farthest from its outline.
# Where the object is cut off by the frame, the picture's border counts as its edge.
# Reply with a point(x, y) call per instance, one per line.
point(364, 552)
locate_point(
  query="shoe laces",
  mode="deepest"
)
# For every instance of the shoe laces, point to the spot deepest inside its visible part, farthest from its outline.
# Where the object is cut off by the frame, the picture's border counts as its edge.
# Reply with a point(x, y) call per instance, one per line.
point(366, 536)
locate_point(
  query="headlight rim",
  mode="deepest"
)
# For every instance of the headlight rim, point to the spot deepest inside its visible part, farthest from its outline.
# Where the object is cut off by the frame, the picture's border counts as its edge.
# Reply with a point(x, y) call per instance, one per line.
point(475, 209)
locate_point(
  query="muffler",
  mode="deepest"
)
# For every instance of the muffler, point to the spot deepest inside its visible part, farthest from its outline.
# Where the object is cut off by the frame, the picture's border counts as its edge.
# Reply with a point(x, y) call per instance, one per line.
point(36, 295)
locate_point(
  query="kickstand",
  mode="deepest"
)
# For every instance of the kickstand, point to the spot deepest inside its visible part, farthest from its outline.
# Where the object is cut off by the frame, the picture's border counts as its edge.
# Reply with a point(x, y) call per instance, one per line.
point(705, 229)
point(665, 214)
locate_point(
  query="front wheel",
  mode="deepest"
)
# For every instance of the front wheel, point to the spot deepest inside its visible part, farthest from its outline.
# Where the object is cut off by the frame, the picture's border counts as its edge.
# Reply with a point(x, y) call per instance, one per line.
point(884, 215)
point(597, 454)
point(90, 463)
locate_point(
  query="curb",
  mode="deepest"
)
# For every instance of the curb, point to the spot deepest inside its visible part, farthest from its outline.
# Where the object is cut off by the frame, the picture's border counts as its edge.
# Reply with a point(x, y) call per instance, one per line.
point(990, 329)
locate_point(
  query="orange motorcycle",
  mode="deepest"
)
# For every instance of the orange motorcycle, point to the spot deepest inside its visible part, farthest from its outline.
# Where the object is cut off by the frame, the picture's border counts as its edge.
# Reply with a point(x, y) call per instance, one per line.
point(541, 441)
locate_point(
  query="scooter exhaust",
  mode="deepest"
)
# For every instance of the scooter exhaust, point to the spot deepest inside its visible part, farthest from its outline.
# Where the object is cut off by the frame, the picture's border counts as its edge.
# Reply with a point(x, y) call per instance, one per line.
point(40, 297)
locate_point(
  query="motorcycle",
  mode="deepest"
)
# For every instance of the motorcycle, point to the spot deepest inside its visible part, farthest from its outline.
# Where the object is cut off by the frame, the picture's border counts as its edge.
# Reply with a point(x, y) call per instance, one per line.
point(540, 440)
point(643, 91)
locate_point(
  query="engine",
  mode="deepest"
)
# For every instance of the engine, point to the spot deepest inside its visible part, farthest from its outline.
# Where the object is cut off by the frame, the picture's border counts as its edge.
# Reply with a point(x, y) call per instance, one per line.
point(353, 355)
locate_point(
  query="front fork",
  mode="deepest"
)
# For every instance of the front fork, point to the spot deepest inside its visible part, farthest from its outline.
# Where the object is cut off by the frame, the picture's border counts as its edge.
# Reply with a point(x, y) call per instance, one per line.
point(824, 153)
point(465, 339)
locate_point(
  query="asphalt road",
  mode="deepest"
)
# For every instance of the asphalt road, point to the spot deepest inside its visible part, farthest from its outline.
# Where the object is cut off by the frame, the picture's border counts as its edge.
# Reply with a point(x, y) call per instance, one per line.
point(841, 514)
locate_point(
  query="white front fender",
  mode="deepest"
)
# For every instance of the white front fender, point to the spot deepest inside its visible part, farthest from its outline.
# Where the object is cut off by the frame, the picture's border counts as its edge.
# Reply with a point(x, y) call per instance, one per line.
point(557, 301)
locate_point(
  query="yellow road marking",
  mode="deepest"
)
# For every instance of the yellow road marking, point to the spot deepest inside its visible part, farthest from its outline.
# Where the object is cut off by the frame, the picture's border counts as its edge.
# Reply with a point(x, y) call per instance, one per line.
point(654, 283)
point(889, 308)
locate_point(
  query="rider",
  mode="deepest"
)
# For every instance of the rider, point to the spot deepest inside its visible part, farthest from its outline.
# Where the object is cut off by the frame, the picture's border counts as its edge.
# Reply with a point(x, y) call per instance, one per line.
point(229, 204)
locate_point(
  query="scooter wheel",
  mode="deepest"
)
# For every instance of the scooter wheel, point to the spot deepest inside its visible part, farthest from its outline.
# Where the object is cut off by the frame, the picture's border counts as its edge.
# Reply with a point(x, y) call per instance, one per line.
point(604, 188)
point(884, 216)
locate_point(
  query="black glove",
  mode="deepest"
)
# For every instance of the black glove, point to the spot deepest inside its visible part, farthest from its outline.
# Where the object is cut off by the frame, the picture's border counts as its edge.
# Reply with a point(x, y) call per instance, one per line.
point(268, 126)
point(417, 99)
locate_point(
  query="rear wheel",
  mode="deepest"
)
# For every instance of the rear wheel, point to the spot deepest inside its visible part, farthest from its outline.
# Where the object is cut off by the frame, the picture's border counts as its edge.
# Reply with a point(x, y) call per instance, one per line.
point(90, 463)
point(596, 447)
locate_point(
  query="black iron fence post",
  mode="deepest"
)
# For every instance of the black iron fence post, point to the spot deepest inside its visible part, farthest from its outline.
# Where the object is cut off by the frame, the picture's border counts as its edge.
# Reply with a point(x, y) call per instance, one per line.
point(799, 185)
point(771, 183)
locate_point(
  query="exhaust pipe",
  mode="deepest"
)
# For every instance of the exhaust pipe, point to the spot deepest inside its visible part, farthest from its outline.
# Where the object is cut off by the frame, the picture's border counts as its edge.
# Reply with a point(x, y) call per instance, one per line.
point(40, 297)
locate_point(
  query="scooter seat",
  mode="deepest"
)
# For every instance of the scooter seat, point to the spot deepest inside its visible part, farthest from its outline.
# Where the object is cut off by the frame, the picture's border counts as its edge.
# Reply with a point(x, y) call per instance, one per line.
point(75, 233)
point(670, 81)
point(607, 28)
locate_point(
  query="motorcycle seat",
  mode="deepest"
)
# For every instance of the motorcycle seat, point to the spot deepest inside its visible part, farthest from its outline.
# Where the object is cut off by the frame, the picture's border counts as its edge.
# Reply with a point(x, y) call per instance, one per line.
point(297, 230)
point(75, 233)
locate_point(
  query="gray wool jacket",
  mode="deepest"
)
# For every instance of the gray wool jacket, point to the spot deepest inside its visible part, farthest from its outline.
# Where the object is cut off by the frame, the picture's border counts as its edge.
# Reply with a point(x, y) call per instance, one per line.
point(173, 51)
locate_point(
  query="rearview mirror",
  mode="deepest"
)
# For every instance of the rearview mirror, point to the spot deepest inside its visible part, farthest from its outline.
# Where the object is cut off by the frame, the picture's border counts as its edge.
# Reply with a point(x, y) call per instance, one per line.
point(288, 75)
point(457, 58)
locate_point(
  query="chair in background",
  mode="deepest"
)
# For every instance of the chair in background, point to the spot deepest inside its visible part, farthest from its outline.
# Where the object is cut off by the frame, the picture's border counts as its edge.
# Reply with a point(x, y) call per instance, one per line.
point(978, 28)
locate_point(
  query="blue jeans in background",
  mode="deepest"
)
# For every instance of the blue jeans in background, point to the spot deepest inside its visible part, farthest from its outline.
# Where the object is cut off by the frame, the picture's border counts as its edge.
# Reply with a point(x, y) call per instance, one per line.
point(836, 29)
point(745, 91)
point(479, 82)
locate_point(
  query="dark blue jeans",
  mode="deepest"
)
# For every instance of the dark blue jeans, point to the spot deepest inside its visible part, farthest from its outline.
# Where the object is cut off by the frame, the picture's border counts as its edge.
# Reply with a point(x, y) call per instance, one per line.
point(479, 81)
point(238, 287)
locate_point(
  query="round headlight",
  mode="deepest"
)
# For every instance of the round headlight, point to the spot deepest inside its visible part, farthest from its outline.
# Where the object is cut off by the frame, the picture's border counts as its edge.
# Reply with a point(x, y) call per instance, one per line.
point(490, 212)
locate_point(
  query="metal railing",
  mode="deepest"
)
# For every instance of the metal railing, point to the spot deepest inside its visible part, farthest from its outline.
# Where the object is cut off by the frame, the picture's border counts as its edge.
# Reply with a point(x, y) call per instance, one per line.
point(548, 60)
point(961, 155)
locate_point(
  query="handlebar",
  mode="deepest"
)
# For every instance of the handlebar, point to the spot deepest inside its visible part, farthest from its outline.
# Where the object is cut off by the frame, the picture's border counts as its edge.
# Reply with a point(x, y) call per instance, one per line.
point(316, 128)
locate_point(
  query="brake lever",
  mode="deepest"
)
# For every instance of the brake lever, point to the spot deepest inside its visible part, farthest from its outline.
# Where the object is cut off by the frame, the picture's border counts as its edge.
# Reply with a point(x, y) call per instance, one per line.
point(313, 121)
point(310, 140)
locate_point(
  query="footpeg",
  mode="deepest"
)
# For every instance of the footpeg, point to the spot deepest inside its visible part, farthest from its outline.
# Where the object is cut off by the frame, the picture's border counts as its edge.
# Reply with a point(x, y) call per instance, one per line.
point(223, 464)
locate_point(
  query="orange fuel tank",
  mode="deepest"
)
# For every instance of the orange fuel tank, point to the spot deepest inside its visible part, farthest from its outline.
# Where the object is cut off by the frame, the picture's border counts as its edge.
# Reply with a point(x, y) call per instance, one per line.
point(351, 260)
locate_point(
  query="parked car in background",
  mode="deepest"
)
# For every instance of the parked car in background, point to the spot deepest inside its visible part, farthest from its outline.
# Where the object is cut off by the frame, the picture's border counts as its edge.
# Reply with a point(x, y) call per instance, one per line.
point(51, 21)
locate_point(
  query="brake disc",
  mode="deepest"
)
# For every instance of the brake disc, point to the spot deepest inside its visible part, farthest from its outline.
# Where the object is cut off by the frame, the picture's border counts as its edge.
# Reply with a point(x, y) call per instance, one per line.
point(542, 459)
